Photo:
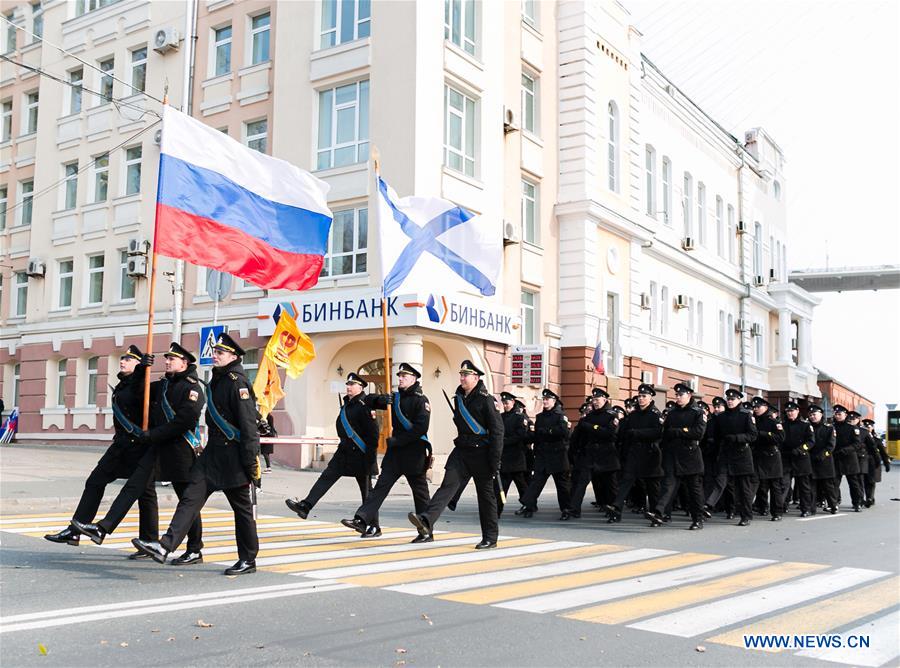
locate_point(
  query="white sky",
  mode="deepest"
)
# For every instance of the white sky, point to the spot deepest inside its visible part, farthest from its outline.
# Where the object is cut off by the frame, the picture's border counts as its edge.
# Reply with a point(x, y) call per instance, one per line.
point(822, 77)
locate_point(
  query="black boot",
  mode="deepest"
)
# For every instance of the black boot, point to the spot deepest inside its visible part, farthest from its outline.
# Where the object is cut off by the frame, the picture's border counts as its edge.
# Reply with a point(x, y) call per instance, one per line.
point(372, 531)
point(302, 508)
point(420, 523)
point(93, 531)
point(356, 524)
point(696, 525)
point(68, 536)
point(152, 549)
point(241, 568)
point(188, 558)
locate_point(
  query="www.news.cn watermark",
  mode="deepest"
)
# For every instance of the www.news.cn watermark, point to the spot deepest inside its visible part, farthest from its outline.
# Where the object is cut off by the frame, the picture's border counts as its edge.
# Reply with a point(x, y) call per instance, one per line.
point(807, 641)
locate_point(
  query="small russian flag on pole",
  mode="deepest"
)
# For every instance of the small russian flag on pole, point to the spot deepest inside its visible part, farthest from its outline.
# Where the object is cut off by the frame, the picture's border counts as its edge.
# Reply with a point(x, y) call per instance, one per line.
point(597, 360)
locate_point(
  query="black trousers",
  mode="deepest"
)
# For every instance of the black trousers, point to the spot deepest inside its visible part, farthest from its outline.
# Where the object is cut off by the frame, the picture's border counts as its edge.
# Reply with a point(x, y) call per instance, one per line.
point(390, 474)
point(517, 477)
point(326, 481)
point(743, 496)
point(823, 490)
point(561, 479)
point(462, 464)
point(869, 488)
point(464, 482)
point(771, 495)
point(854, 481)
point(723, 488)
point(692, 484)
point(604, 483)
point(195, 532)
point(628, 480)
point(192, 500)
point(803, 489)
point(139, 487)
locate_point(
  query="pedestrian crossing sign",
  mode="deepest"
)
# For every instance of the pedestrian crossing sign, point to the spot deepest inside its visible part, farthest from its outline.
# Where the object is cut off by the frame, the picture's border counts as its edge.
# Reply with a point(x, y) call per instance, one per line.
point(208, 337)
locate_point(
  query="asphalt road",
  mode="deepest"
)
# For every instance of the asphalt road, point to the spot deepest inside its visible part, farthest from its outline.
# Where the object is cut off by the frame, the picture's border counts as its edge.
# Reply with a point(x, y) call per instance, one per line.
point(88, 605)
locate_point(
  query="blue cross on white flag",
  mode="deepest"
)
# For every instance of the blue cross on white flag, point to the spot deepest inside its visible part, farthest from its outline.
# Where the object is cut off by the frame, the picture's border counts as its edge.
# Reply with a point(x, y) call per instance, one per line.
point(429, 243)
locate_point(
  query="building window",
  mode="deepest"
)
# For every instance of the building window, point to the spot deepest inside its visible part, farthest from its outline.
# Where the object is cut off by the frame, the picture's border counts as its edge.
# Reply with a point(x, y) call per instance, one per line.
point(731, 237)
point(348, 244)
point(11, 31)
point(654, 321)
point(459, 131)
point(784, 273)
point(529, 212)
point(92, 365)
point(772, 257)
point(222, 51)
point(17, 380)
point(106, 79)
point(26, 201)
point(699, 321)
point(85, 6)
point(250, 362)
point(757, 249)
point(139, 70)
point(667, 190)
point(529, 317)
point(529, 12)
point(529, 103)
point(687, 204)
point(664, 308)
point(612, 333)
point(70, 192)
point(95, 279)
point(722, 333)
point(344, 21)
point(66, 273)
point(126, 282)
point(729, 336)
point(257, 131)
point(37, 21)
point(76, 82)
point(776, 190)
point(133, 170)
point(459, 24)
point(20, 294)
point(259, 38)
point(101, 177)
point(344, 125)
point(61, 383)
point(650, 185)
point(701, 213)
point(6, 122)
point(720, 226)
point(4, 200)
point(691, 331)
point(758, 350)
point(32, 100)
point(613, 146)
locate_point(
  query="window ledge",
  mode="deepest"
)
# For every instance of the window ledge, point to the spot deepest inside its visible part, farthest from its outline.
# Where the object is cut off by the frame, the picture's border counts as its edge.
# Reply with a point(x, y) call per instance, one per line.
point(475, 183)
point(6, 143)
point(218, 79)
point(124, 305)
point(533, 247)
point(257, 67)
point(94, 206)
point(339, 48)
point(246, 294)
point(60, 310)
point(342, 281)
point(26, 136)
point(85, 410)
point(465, 55)
point(54, 410)
point(344, 169)
point(533, 138)
point(528, 27)
point(123, 199)
point(91, 309)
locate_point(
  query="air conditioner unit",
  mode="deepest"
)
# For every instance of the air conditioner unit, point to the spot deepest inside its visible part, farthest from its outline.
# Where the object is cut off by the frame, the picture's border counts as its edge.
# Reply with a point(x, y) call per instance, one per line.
point(741, 227)
point(510, 121)
point(740, 325)
point(646, 377)
point(759, 281)
point(756, 329)
point(137, 266)
point(687, 244)
point(793, 344)
point(511, 233)
point(681, 301)
point(157, 137)
point(36, 268)
point(773, 275)
point(645, 301)
point(138, 246)
point(165, 40)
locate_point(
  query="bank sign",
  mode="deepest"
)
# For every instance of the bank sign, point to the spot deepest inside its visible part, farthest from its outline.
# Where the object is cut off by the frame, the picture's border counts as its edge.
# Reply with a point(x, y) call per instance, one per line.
point(347, 310)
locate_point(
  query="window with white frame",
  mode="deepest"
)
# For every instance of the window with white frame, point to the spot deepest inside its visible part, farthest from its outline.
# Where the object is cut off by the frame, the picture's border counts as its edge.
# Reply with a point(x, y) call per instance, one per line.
point(700, 324)
point(16, 382)
point(722, 349)
point(654, 307)
point(250, 362)
point(664, 308)
point(691, 331)
point(93, 365)
point(70, 186)
point(66, 270)
point(26, 201)
point(101, 177)
point(757, 249)
point(720, 226)
point(95, 279)
point(4, 201)
point(667, 190)
point(126, 283)
point(758, 350)
point(348, 243)
point(6, 121)
point(529, 103)
point(76, 84)
point(32, 100)
point(138, 70)
point(459, 131)
point(37, 21)
point(460, 24)
point(221, 51)
point(61, 383)
point(530, 217)
point(528, 311)
point(701, 213)
point(783, 261)
point(257, 132)
point(687, 204)
point(729, 336)
point(530, 12)
point(259, 38)
point(731, 237)
point(772, 256)
point(11, 31)
point(612, 332)
point(343, 125)
point(133, 157)
point(613, 146)
point(344, 21)
point(776, 190)
point(107, 68)
point(650, 184)
point(19, 304)
point(85, 6)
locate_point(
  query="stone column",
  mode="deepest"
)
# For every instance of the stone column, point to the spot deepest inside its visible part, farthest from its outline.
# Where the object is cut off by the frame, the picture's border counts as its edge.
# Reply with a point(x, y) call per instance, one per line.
point(406, 348)
point(784, 336)
point(804, 343)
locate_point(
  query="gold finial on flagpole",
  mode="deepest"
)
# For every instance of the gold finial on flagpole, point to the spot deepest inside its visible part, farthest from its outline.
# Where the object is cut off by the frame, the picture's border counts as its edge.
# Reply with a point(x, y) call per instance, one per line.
point(376, 159)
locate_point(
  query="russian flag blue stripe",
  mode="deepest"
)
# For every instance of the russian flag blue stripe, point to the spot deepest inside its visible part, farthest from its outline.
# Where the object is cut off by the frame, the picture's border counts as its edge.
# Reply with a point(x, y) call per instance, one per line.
point(205, 194)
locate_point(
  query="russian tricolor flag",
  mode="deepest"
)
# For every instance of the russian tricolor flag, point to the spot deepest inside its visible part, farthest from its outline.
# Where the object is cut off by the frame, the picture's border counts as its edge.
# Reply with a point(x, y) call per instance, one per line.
point(223, 205)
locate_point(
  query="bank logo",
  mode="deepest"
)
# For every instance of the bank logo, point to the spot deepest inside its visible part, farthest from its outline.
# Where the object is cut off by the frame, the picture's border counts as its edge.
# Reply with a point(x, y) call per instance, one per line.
point(437, 310)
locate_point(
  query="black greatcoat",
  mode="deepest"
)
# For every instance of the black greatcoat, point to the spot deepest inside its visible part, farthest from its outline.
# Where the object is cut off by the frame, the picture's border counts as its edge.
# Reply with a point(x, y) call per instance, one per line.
point(848, 441)
point(405, 448)
point(175, 456)
point(735, 430)
point(878, 454)
point(683, 430)
point(480, 405)
point(123, 455)
point(768, 457)
point(515, 433)
point(594, 441)
point(348, 458)
point(551, 441)
point(225, 462)
point(798, 441)
point(641, 432)
point(822, 453)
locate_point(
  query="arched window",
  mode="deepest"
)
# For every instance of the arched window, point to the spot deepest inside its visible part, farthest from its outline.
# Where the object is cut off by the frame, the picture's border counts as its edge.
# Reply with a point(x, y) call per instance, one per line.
point(687, 203)
point(613, 151)
point(776, 187)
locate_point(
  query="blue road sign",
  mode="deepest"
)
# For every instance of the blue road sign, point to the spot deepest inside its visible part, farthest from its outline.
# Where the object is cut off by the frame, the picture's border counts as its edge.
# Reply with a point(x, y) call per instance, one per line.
point(208, 336)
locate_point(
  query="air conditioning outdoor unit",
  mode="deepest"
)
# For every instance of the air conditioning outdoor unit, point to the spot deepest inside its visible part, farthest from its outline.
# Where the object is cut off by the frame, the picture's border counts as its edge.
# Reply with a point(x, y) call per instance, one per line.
point(137, 266)
point(759, 281)
point(740, 325)
point(165, 40)
point(157, 137)
point(793, 344)
point(687, 244)
point(138, 246)
point(36, 268)
point(510, 121)
point(756, 329)
point(511, 233)
point(773, 275)
point(645, 301)
point(741, 227)
point(681, 301)
point(647, 377)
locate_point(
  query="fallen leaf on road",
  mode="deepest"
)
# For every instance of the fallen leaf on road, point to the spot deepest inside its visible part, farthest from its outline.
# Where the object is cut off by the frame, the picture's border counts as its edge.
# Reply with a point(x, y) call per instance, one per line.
point(582, 638)
point(181, 575)
point(203, 625)
point(170, 638)
point(123, 644)
point(154, 630)
point(400, 663)
point(427, 619)
point(700, 648)
point(196, 638)
point(400, 650)
point(307, 653)
point(260, 647)
point(42, 649)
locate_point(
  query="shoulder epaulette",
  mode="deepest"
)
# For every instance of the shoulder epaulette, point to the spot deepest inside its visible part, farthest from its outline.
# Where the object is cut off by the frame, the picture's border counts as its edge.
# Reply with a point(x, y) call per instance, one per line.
point(191, 380)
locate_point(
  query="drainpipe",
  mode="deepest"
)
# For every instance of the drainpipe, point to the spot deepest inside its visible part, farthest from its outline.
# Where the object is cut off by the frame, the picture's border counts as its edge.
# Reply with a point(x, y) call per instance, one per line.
point(744, 305)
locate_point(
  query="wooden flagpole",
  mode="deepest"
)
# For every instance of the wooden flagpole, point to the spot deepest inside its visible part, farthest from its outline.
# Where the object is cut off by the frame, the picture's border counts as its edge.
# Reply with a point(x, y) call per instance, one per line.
point(384, 325)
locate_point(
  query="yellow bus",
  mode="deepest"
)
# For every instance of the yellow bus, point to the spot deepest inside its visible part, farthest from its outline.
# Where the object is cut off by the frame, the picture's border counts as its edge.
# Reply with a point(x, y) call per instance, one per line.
point(892, 436)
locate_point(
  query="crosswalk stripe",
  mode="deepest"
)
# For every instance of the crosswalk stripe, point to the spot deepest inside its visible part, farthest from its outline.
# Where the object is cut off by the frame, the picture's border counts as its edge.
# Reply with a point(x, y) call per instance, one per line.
point(14, 520)
point(639, 606)
point(823, 616)
point(453, 570)
point(711, 616)
point(571, 581)
point(556, 601)
point(507, 549)
point(225, 522)
point(215, 539)
point(459, 583)
point(884, 638)
point(315, 545)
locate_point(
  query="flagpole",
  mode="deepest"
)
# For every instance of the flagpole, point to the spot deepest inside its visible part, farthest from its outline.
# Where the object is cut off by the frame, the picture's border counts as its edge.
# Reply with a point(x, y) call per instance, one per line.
point(384, 325)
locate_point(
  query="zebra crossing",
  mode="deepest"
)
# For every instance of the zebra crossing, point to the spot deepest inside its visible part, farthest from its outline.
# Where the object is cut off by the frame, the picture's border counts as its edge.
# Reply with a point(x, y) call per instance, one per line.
point(710, 597)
